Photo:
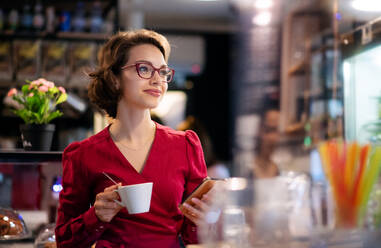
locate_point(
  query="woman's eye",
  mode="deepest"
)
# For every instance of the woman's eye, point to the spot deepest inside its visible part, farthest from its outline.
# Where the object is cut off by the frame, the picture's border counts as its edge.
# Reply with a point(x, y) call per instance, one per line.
point(164, 72)
point(144, 69)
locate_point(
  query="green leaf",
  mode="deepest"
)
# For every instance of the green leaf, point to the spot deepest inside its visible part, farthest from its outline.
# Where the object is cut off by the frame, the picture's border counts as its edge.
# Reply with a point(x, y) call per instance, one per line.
point(25, 89)
point(18, 113)
point(44, 107)
point(54, 90)
point(38, 118)
point(26, 115)
point(18, 99)
point(62, 98)
point(54, 115)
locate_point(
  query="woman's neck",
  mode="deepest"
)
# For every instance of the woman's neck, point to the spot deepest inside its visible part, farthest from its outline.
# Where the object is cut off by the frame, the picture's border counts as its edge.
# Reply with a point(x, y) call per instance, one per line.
point(133, 126)
point(265, 168)
point(264, 155)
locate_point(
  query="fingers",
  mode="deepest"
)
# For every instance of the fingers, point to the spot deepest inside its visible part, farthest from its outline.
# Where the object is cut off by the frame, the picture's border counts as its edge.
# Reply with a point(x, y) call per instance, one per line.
point(112, 187)
point(105, 207)
point(200, 204)
point(207, 198)
point(109, 193)
point(193, 214)
point(107, 196)
point(196, 211)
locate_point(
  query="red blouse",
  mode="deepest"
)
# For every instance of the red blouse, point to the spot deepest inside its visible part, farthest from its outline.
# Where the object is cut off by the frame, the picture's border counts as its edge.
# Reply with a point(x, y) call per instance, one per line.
point(175, 165)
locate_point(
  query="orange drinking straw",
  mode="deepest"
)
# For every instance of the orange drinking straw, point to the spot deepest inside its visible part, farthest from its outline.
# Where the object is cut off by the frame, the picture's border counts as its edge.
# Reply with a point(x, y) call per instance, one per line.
point(323, 149)
point(335, 166)
point(350, 165)
point(352, 175)
point(340, 154)
point(327, 165)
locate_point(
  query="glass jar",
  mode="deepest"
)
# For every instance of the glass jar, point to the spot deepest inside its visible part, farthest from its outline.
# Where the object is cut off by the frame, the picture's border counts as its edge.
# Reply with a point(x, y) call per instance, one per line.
point(46, 237)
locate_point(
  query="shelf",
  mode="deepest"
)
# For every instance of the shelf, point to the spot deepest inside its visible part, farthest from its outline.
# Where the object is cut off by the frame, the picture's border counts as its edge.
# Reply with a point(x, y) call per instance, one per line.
point(83, 36)
point(7, 35)
point(321, 49)
point(22, 156)
point(295, 128)
point(298, 69)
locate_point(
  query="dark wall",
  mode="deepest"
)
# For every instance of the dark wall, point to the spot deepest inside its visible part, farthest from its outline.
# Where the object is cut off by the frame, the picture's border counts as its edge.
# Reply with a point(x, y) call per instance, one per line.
point(210, 97)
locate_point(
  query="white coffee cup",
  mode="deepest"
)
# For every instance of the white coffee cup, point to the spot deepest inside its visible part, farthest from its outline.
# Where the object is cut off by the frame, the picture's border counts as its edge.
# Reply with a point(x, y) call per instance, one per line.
point(136, 197)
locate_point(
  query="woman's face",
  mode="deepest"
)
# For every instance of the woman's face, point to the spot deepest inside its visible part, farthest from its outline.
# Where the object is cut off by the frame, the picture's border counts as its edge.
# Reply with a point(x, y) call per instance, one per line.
point(269, 132)
point(139, 92)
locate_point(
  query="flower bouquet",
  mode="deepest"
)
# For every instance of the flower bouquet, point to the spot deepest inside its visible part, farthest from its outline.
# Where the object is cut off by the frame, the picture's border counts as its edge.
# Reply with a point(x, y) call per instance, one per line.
point(36, 104)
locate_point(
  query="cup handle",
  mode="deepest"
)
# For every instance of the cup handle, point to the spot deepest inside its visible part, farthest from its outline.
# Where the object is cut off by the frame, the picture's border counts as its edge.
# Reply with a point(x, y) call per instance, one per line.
point(119, 202)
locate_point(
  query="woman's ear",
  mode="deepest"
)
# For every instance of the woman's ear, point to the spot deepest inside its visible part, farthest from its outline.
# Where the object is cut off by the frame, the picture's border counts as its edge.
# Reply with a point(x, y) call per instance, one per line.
point(117, 83)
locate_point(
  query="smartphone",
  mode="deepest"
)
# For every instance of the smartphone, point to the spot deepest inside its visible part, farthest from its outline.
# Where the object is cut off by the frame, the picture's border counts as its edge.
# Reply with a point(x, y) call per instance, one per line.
point(204, 187)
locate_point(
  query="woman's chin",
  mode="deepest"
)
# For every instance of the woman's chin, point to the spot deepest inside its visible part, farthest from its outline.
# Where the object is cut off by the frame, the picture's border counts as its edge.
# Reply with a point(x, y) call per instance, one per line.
point(152, 105)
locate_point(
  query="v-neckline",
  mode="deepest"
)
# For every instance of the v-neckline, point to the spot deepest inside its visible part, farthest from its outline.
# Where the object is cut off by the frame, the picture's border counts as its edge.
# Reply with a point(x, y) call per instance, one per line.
point(125, 160)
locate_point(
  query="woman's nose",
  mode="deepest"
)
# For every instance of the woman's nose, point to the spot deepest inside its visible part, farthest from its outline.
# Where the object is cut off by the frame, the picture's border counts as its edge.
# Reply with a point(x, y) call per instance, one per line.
point(156, 78)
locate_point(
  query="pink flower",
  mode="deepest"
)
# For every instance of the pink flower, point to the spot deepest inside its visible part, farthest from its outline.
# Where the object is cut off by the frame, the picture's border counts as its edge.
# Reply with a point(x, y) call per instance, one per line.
point(31, 94)
point(62, 89)
point(35, 83)
point(43, 88)
point(12, 92)
point(48, 84)
point(41, 80)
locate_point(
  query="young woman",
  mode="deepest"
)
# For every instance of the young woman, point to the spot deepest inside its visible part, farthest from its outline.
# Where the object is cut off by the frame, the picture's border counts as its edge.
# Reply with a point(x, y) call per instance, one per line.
point(131, 79)
point(264, 166)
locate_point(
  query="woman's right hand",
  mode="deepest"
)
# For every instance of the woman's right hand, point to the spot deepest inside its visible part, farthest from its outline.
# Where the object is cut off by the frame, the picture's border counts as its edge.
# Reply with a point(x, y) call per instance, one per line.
point(105, 206)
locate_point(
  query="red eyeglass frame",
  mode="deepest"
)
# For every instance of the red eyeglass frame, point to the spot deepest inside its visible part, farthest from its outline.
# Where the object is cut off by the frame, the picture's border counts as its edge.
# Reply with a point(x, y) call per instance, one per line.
point(153, 72)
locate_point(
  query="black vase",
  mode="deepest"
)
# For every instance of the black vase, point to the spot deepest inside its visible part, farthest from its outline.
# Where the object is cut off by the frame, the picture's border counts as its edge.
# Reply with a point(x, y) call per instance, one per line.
point(37, 137)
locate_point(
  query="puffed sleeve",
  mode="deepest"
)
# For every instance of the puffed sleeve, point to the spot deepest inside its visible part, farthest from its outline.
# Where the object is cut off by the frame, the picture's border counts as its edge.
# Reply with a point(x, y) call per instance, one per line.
point(77, 224)
point(196, 173)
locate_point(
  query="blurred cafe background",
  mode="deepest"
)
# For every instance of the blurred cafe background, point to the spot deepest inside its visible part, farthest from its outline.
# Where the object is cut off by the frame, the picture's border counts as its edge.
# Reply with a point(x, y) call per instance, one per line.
point(262, 82)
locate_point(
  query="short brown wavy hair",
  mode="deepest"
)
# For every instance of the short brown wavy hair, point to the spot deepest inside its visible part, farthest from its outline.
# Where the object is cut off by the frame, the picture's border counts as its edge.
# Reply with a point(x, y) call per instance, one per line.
point(112, 56)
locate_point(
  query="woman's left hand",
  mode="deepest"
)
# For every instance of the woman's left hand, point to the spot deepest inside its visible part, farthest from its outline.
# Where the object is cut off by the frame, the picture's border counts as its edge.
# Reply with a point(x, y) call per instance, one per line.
point(196, 213)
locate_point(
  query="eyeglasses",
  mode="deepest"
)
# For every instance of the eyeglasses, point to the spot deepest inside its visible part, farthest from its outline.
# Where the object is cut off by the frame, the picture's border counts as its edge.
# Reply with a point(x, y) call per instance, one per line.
point(270, 129)
point(147, 70)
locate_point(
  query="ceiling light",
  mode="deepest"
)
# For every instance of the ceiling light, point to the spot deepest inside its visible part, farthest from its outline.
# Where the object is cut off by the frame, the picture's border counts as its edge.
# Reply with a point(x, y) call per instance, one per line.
point(367, 5)
point(263, 4)
point(262, 18)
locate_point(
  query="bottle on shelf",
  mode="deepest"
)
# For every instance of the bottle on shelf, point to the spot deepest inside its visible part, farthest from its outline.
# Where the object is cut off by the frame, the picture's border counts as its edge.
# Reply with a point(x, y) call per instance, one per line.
point(96, 21)
point(26, 18)
point(108, 25)
point(50, 19)
point(79, 20)
point(13, 20)
point(38, 19)
point(65, 21)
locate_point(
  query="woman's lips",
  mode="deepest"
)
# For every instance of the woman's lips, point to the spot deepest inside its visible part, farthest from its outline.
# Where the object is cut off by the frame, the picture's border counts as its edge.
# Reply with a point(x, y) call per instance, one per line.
point(155, 93)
